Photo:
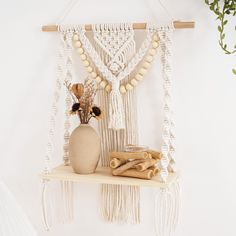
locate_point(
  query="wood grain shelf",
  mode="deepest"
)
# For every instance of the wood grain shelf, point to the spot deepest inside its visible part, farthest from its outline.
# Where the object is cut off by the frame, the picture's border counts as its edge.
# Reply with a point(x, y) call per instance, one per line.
point(103, 176)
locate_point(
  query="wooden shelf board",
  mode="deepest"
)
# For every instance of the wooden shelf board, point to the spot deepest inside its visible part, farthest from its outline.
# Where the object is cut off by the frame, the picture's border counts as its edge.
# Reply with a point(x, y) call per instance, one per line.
point(103, 176)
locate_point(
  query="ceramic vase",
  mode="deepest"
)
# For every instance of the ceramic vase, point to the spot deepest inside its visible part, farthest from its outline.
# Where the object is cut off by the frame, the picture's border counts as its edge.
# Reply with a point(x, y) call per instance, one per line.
point(84, 149)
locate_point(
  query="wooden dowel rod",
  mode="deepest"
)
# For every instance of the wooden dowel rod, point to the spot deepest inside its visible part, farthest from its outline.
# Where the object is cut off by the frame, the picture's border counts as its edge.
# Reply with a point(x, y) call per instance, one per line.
point(136, 26)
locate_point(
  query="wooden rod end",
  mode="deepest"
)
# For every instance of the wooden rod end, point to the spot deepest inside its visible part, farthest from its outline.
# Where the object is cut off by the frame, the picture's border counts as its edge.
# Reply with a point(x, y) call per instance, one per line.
point(49, 28)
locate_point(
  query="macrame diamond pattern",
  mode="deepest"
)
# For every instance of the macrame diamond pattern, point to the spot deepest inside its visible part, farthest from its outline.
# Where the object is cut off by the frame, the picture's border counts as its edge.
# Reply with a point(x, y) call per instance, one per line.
point(116, 44)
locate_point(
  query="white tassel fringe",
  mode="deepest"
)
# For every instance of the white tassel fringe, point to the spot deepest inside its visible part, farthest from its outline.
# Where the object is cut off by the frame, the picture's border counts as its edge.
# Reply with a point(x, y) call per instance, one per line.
point(116, 110)
point(167, 204)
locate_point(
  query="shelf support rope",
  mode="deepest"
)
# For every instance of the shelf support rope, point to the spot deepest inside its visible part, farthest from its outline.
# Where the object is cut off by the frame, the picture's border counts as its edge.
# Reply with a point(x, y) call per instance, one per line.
point(64, 73)
point(167, 200)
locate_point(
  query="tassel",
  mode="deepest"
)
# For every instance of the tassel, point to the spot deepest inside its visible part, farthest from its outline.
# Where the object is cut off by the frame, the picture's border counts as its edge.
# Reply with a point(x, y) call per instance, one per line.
point(167, 204)
point(116, 110)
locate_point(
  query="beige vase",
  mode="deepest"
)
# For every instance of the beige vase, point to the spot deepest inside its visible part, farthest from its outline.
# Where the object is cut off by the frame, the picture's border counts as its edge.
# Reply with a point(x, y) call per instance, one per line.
point(84, 149)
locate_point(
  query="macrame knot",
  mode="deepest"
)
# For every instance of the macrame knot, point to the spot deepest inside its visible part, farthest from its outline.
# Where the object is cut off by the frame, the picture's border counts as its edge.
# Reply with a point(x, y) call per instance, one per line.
point(116, 110)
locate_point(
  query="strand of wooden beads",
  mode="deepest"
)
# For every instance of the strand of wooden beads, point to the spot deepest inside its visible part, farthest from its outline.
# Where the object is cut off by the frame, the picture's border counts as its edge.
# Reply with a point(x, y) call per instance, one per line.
point(133, 81)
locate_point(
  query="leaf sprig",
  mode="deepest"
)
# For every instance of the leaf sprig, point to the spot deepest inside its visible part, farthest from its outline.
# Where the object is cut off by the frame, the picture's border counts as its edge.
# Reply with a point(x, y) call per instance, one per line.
point(223, 9)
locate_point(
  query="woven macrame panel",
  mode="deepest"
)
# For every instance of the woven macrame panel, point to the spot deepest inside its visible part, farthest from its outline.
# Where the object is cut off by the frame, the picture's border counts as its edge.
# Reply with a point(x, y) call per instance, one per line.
point(112, 50)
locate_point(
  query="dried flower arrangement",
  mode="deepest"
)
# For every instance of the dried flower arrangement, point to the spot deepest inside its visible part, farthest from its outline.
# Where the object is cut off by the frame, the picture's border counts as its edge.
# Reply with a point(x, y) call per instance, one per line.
point(83, 101)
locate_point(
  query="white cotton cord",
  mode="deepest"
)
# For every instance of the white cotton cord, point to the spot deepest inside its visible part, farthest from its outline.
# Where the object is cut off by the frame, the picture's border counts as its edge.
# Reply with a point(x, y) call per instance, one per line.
point(66, 11)
point(66, 202)
point(153, 10)
point(172, 163)
point(177, 198)
point(45, 209)
point(67, 186)
point(116, 110)
point(127, 43)
point(138, 57)
point(54, 107)
point(131, 122)
point(67, 35)
point(118, 203)
point(50, 145)
point(165, 44)
point(167, 206)
point(171, 155)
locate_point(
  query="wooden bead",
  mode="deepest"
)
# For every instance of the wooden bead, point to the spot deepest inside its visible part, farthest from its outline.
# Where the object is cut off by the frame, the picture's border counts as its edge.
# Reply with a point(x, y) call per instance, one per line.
point(155, 44)
point(77, 44)
point(83, 57)
point(86, 63)
point(93, 74)
point(128, 86)
point(98, 79)
point(142, 71)
point(149, 58)
point(156, 38)
point(138, 77)
point(80, 50)
point(108, 88)
point(122, 89)
point(134, 82)
point(146, 65)
point(152, 52)
point(89, 69)
point(103, 84)
point(75, 37)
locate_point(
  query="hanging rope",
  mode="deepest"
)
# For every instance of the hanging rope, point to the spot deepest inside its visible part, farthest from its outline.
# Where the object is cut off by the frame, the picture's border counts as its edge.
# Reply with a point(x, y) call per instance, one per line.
point(71, 4)
point(166, 43)
point(52, 124)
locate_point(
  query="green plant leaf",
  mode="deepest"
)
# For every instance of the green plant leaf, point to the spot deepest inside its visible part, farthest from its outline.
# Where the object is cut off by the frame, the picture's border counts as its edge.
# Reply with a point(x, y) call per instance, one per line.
point(234, 71)
point(219, 28)
point(222, 36)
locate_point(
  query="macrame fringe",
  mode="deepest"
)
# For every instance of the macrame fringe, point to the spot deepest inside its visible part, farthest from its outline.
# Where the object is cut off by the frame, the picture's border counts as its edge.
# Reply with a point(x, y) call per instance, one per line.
point(57, 207)
point(47, 218)
point(167, 204)
point(67, 201)
point(120, 203)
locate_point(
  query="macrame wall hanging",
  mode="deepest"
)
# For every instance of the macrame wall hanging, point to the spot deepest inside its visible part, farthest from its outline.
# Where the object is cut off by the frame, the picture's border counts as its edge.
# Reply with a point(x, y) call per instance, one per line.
point(111, 58)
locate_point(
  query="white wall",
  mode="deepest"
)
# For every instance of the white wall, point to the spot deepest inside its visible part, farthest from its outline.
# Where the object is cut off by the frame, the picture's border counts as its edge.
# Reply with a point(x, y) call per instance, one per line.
point(204, 92)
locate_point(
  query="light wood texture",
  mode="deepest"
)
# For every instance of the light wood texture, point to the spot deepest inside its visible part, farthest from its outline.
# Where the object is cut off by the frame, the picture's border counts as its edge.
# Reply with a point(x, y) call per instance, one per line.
point(155, 155)
point(126, 166)
point(143, 166)
point(114, 163)
point(155, 170)
point(129, 155)
point(136, 26)
point(103, 176)
point(146, 174)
